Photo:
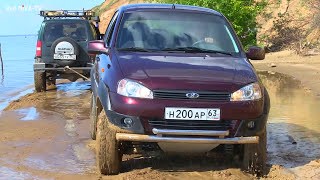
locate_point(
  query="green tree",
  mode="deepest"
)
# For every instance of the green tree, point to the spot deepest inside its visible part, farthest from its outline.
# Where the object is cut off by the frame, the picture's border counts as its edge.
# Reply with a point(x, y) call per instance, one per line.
point(241, 13)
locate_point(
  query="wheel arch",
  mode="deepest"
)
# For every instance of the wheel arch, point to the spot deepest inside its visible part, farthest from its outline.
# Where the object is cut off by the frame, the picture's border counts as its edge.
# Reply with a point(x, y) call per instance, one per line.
point(103, 97)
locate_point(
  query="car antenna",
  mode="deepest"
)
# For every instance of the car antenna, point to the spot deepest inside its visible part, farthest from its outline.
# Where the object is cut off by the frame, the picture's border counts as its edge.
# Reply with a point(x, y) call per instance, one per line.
point(173, 6)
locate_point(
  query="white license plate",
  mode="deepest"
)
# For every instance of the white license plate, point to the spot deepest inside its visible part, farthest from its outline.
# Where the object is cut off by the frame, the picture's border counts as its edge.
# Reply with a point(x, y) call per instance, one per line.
point(64, 56)
point(192, 114)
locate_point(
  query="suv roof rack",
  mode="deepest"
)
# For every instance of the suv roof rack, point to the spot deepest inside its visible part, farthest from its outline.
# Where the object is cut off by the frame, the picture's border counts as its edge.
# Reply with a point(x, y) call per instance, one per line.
point(57, 14)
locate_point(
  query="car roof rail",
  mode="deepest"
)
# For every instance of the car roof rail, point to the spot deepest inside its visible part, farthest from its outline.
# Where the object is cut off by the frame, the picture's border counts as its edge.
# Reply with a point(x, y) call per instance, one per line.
point(59, 14)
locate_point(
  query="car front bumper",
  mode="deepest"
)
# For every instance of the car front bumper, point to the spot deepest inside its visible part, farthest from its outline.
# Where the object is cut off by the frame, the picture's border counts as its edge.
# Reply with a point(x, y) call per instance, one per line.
point(138, 133)
point(187, 136)
point(142, 110)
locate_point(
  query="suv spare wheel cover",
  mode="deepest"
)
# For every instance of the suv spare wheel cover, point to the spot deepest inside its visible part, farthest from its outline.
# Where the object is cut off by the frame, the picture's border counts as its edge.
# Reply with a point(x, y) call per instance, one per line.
point(64, 47)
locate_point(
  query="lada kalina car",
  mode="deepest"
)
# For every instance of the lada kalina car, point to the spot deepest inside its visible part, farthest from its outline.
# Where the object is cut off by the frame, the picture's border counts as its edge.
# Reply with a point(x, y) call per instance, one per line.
point(176, 78)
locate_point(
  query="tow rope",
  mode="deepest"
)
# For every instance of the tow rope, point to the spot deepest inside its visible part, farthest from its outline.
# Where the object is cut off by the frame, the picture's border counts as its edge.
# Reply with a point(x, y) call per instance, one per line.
point(69, 68)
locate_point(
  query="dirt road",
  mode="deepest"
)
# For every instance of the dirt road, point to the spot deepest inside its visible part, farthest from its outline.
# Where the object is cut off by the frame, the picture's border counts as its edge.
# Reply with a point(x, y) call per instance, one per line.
point(46, 135)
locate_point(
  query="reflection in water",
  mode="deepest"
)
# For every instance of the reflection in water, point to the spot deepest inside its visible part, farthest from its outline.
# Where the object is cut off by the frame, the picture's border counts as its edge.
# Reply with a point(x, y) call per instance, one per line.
point(2, 80)
point(294, 117)
point(74, 86)
point(70, 128)
point(74, 158)
point(72, 100)
point(29, 114)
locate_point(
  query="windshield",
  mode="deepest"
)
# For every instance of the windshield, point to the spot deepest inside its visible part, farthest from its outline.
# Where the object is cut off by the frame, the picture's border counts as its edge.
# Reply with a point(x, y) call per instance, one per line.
point(74, 30)
point(175, 31)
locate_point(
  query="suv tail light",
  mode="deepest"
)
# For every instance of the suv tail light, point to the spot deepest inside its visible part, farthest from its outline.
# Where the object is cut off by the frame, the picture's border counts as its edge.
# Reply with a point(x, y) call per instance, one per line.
point(38, 52)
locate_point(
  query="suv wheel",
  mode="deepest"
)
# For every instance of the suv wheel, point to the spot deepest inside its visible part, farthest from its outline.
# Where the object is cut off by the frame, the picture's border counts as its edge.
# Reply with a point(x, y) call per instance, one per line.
point(255, 156)
point(109, 155)
point(40, 81)
point(93, 118)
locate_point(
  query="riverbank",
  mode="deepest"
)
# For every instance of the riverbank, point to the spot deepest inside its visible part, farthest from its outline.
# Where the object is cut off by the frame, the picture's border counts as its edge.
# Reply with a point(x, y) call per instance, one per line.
point(303, 68)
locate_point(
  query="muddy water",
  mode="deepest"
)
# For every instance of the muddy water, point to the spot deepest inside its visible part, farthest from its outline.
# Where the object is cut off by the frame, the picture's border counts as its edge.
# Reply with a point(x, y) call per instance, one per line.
point(48, 138)
point(293, 128)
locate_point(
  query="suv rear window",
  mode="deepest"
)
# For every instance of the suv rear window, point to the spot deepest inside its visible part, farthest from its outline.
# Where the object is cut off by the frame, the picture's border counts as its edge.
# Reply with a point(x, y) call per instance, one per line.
point(76, 31)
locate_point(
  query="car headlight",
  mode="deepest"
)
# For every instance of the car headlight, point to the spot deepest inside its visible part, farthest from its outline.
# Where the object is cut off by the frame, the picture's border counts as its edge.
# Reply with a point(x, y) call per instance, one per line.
point(247, 93)
point(131, 88)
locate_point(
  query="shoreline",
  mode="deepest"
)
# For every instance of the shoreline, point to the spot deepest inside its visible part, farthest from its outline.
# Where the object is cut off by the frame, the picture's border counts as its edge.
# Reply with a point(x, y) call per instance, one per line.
point(306, 69)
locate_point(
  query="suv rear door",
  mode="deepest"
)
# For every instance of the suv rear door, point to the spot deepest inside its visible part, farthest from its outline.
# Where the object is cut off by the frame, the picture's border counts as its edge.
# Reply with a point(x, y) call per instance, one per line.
point(75, 29)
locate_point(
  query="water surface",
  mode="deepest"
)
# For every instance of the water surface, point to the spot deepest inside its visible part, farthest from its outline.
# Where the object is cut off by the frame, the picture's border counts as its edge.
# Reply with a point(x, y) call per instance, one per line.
point(18, 54)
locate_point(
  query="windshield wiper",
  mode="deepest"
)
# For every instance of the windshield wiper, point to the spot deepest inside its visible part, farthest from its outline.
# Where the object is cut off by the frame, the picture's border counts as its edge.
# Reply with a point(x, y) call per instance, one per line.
point(196, 50)
point(137, 49)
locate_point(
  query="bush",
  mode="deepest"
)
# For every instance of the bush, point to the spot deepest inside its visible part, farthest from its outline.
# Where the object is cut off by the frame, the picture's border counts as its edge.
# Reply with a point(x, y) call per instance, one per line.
point(241, 13)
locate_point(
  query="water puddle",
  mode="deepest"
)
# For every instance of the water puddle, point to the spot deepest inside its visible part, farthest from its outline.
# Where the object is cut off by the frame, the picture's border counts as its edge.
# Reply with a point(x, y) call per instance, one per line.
point(74, 158)
point(69, 99)
point(74, 86)
point(293, 125)
point(28, 114)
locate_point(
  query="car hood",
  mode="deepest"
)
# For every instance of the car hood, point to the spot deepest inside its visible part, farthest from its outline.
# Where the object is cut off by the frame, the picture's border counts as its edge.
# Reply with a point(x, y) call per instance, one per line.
point(187, 72)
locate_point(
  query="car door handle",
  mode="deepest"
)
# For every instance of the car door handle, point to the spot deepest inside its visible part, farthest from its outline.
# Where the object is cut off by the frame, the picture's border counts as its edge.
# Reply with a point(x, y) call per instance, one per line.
point(108, 66)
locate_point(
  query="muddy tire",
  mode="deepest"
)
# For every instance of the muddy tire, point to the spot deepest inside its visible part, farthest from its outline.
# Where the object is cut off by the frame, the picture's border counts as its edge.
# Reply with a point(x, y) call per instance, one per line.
point(108, 153)
point(93, 118)
point(40, 81)
point(255, 156)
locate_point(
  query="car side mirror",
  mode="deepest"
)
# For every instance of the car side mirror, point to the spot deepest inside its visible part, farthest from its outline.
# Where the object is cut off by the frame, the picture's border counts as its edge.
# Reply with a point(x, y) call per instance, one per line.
point(256, 53)
point(97, 47)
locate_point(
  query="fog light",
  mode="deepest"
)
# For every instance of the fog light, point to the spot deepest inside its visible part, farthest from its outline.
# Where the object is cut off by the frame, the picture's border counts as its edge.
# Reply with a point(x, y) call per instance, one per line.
point(128, 122)
point(251, 124)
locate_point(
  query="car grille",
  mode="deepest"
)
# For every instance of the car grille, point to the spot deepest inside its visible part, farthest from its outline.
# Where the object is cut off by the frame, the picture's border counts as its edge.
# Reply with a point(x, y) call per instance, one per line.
point(181, 95)
point(221, 125)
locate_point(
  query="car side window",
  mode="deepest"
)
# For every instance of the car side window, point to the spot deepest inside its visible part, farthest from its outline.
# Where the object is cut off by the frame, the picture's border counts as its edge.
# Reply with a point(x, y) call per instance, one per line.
point(108, 34)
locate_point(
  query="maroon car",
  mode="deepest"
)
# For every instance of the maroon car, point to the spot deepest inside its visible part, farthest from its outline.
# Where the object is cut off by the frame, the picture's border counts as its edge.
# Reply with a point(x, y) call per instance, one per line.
point(175, 78)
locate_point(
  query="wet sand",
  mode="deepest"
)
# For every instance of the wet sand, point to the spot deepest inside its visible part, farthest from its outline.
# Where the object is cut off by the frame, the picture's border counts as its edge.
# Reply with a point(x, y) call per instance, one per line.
point(46, 135)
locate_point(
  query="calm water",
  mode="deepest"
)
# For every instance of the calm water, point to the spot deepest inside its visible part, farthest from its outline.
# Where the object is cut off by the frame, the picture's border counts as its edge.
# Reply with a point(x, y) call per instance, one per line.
point(18, 56)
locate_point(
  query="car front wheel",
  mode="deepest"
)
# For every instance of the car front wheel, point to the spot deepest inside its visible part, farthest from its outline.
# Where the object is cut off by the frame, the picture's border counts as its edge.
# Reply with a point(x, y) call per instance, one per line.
point(255, 156)
point(109, 155)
